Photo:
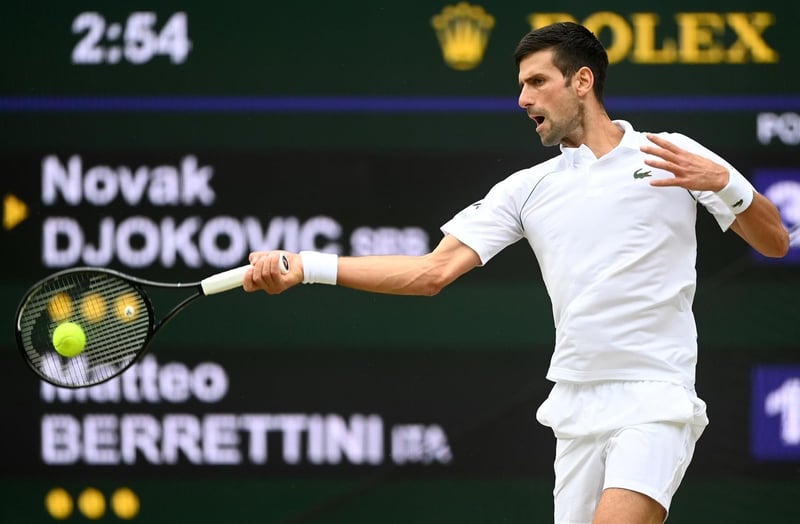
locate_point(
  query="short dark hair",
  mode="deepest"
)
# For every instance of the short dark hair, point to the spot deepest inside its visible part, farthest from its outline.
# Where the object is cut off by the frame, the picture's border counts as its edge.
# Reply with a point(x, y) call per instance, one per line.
point(573, 47)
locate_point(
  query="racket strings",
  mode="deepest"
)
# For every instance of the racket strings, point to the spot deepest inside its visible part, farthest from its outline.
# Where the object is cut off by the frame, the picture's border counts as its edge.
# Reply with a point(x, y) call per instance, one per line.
point(112, 313)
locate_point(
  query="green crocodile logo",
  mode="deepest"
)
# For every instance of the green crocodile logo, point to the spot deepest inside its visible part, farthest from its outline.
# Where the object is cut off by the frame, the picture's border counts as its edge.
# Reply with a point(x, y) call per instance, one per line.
point(641, 174)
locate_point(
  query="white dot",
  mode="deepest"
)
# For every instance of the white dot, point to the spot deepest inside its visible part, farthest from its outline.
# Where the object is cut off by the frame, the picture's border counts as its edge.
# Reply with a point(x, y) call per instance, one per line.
point(113, 55)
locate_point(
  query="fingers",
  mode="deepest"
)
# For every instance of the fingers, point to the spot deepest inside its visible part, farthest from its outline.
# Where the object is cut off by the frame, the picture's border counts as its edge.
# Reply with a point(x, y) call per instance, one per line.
point(255, 255)
point(670, 167)
point(663, 142)
point(668, 157)
point(689, 170)
point(271, 272)
point(666, 150)
point(667, 182)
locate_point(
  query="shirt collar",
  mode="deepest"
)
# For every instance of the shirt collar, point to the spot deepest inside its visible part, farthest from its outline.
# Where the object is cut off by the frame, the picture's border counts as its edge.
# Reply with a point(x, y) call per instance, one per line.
point(578, 155)
point(630, 139)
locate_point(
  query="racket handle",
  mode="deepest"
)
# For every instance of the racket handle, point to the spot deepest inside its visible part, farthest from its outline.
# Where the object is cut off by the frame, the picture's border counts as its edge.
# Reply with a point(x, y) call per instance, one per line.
point(225, 281)
point(232, 278)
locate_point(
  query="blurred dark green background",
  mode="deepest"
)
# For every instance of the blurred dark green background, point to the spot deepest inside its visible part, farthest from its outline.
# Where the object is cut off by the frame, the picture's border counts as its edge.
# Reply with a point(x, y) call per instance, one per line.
point(348, 111)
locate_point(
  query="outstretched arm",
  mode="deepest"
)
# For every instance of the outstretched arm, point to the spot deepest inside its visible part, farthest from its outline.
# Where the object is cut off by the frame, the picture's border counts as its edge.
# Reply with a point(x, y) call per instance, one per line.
point(759, 224)
point(390, 274)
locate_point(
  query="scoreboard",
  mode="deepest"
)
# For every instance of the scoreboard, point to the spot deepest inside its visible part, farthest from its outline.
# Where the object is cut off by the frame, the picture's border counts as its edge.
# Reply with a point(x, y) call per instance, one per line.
point(317, 75)
point(169, 139)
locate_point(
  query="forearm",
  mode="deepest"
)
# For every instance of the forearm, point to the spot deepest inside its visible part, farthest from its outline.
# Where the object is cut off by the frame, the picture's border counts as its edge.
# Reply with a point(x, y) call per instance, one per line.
point(396, 275)
point(760, 226)
point(408, 275)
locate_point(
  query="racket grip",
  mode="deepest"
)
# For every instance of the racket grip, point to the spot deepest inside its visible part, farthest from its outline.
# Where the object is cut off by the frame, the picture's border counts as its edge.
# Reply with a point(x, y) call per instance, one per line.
point(232, 278)
point(225, 281)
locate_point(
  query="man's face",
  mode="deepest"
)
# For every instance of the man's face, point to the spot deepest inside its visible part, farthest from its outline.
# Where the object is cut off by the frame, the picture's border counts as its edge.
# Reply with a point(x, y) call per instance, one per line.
point(550, 100)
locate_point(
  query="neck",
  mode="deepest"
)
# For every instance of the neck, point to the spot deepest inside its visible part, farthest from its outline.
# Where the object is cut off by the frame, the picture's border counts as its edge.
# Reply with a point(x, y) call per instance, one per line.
point(600, 134)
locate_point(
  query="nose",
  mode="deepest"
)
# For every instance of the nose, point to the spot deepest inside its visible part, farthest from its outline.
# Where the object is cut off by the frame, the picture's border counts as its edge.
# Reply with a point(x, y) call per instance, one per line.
point(525, 99)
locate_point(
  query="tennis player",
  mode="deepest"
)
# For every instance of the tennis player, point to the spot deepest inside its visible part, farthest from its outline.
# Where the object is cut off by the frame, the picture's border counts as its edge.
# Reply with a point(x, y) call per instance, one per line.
point(611, 220)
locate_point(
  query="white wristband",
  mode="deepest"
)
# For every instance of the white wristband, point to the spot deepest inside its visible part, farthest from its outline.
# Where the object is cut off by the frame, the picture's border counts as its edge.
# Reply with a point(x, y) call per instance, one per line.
point(738, 194)
point(319, 268)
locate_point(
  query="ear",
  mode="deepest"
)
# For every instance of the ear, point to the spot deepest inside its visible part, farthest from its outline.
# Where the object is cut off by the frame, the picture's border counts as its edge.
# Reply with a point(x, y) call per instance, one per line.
point(583, 81)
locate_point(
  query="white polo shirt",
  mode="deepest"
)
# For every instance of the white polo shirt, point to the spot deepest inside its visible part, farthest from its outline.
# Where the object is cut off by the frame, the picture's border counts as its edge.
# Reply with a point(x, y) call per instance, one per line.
point(617, 256)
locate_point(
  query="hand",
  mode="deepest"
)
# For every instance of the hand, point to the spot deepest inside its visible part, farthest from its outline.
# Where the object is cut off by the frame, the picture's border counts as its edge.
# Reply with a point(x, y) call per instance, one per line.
point(691, 171)
point(266, 273)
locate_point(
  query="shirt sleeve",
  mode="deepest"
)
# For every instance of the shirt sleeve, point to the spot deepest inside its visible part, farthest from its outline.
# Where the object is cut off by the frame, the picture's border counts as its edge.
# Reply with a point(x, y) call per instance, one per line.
point(489, 225)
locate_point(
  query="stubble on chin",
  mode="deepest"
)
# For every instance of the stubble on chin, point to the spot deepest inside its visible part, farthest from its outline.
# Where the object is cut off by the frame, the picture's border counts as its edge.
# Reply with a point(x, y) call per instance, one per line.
point(549, 140)
point(551, 137)
point(570, 134)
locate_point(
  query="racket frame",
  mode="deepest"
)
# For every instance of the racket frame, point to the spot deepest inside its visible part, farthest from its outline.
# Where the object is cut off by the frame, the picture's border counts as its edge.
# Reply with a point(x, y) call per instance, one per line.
point(154, 324)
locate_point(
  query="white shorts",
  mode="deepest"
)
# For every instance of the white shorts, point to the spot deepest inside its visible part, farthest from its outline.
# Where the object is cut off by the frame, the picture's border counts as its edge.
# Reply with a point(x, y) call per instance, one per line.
point(634, 435)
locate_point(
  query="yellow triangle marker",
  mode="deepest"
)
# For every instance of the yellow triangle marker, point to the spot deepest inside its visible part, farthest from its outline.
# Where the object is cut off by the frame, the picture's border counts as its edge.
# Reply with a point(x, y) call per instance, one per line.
point(14, 211)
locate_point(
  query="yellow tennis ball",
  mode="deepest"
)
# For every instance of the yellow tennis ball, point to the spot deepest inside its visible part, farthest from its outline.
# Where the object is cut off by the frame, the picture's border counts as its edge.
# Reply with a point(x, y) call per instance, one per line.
point(127, 307)
point(60, 307)
point(93, 307)
point(69, 339)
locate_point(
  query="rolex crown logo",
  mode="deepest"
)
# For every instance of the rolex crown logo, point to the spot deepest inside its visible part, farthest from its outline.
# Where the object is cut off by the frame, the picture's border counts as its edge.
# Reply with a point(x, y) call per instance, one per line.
point(463, 32)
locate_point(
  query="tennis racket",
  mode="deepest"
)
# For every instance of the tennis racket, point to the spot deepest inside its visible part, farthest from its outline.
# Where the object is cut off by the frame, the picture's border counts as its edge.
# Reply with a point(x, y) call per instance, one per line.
point(114, 312)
